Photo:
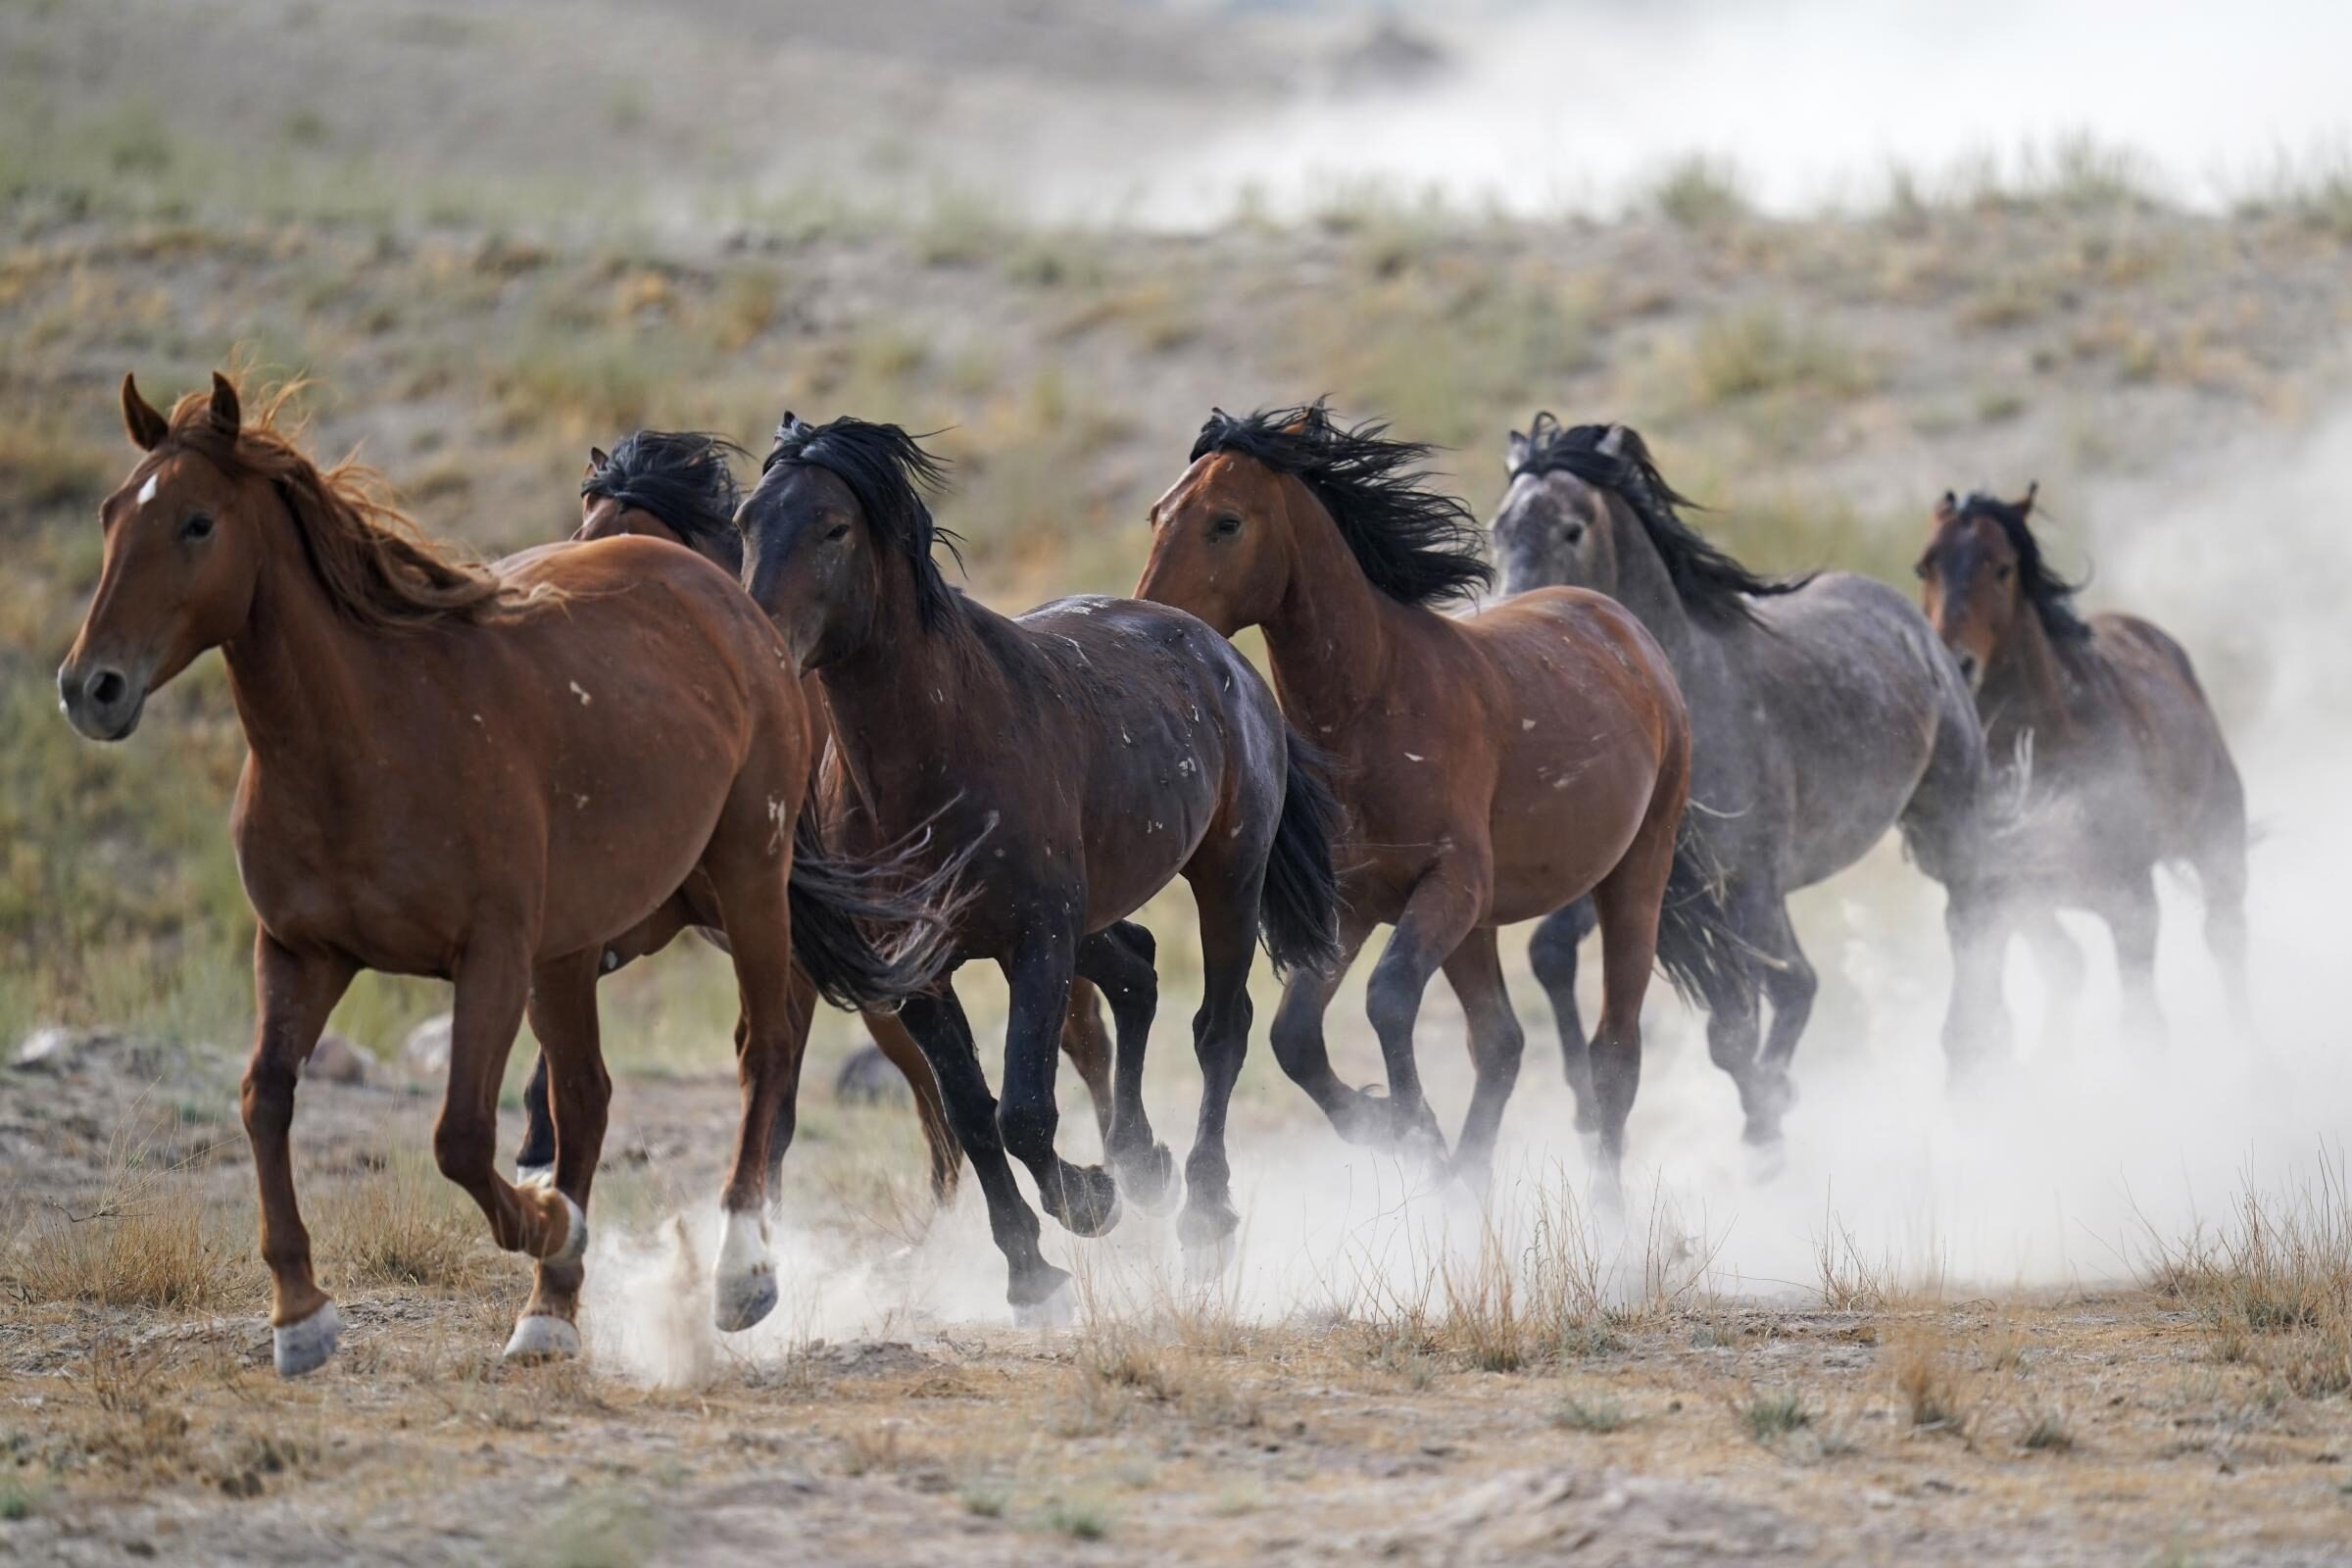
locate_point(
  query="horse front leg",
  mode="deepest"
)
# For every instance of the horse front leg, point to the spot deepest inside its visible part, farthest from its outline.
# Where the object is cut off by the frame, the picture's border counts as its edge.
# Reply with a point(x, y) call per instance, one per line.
point(494, 984)
point(1084, 1198)
point(1229, 927)
point(1298, 1033)
point(1120, 961)
point(1441, 911)
point(571, 1068)
point(1552, 953)
point(293, 994)
point(1496, 1043)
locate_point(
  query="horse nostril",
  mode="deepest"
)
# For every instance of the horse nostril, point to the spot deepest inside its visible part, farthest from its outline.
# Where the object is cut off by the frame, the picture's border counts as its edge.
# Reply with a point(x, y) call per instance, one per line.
point(107, 687)
point(1967, 667)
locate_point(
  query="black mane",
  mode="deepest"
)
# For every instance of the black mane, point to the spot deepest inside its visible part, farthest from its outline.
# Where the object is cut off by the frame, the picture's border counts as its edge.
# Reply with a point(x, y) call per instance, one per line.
point(887, 470)
point(684, 477)
point(1414, 543)
point(1708, 580)
point(2051, 596)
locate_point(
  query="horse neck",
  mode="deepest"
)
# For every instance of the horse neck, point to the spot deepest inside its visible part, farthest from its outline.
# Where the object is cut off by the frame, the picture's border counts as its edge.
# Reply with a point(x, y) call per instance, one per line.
point(1647, 588)
point(2026, 682)
point(1329, 639)
point(296, 667)
point(906, 689)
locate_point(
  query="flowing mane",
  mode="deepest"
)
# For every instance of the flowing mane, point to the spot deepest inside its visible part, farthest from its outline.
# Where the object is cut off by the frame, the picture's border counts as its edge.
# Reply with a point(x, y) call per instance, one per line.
point(377, 568)
point(684, 477)
point(1416, 545)
point(887, 470)
point(2051, 596)
point(1710, 581)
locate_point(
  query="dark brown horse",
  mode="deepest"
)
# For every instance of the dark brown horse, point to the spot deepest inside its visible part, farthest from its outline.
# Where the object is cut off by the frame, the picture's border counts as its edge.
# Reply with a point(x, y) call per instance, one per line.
point(680, 485)
point(2123, 748)
point(1094, 749)
point(481, 778)
point(1494, 766)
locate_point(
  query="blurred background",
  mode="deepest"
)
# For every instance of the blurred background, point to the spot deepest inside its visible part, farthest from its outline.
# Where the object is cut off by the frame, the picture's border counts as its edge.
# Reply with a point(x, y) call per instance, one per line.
point(1832, 257)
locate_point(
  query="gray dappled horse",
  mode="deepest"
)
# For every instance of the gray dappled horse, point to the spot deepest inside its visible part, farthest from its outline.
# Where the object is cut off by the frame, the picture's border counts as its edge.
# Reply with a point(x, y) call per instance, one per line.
point(1823, 711)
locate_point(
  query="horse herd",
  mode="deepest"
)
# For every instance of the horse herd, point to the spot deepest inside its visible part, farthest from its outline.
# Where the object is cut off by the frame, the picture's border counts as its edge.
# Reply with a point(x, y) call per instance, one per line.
point(768, 717)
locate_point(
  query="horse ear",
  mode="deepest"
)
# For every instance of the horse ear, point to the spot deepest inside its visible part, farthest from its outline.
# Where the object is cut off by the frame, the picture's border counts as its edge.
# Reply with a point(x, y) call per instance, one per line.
point(2025, 508)
point(1949, 505)
point(1514, 453)
point(147, 428)
point(597, 459)
point(1612, 445)
point(226, 412)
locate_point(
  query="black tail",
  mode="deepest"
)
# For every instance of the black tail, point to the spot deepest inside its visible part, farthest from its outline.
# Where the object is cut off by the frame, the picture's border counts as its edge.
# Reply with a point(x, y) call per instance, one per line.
point(835, 903)
point(1299, 907)
point(1708, 961)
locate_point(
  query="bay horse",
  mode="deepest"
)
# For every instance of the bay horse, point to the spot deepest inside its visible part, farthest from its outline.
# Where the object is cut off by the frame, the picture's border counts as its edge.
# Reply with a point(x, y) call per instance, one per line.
point(1823, 711)
point(680, 485)
point(1093, 748)
point(482, 778)
point(1495, 765)
point(2120, 736)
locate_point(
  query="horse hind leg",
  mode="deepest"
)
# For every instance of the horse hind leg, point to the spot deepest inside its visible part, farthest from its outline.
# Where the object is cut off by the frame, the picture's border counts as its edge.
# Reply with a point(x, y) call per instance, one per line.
point(1085, 1200)
point(899, 1050)
point(1791, 985)
point(1120, 960)
point(1551, 953)
point(1089, 1047)
point(2221, 867)
point(1441, 911)
point(1496, 1043)
point(2129, 907)
point(1628, 902)
point(562, 1015)
point(1228, 900)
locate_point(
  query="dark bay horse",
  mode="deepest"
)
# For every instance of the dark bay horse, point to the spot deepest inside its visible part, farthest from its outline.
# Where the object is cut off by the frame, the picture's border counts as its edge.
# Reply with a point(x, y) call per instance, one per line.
point(482, 778)
point(1095, 749)
point(680, 485)
point(2121, 738)
point(1823, 711)
point(1494, 766)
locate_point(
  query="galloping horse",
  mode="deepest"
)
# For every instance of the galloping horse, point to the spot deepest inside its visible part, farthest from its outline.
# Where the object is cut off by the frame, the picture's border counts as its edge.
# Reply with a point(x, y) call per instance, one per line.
point(1095, 749)
point(1494, 766)
point(680, 485)
point(1823, 711)
point(2120, 735)
point(481, 778)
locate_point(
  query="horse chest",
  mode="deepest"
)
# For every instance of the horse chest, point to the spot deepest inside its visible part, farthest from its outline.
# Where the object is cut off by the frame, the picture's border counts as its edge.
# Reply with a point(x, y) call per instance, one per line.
point(317, 880)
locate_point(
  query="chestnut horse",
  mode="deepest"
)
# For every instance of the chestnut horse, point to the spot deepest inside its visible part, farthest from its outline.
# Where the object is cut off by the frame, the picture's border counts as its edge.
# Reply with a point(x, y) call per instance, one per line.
point(680, 485)
point(2119, 737)
point(484, 779)
point(1094, 749)
point(1494, 766)
point(1822, 711)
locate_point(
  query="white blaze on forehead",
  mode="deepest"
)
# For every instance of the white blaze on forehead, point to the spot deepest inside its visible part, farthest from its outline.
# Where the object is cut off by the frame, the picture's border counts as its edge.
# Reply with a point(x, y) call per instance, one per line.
point(147, 490)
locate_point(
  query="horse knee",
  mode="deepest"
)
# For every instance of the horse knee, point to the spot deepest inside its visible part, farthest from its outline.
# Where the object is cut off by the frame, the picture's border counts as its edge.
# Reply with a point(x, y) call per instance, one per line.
point(463, 1149)
point(1215, 1025)
point(1025, 1127)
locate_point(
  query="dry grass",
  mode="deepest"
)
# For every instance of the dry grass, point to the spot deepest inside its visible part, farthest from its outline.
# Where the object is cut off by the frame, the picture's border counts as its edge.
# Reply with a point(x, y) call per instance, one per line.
point(137, 1243)
point(2274, 1286)
point(1930, 1389)
point(404, 1223)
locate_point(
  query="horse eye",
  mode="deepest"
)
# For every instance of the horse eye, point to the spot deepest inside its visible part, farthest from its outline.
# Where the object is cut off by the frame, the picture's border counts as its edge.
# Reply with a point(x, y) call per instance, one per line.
point(2001, 571)
point(198, 526)
point(1574, 533)
point(837, 531)
point(1225, 527)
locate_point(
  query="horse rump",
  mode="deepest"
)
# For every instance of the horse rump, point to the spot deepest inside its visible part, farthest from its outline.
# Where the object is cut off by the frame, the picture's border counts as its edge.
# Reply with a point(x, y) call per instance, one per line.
point(1299, 906)
point(871, 932)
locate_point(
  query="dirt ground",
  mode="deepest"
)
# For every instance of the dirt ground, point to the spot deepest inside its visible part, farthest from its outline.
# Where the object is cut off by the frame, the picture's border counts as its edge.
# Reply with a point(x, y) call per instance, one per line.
point(2090, 1426)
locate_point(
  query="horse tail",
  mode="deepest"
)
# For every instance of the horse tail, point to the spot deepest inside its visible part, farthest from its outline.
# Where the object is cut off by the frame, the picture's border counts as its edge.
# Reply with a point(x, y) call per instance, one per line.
point(1703, 955)
point(871, 932)
point(1299, 906)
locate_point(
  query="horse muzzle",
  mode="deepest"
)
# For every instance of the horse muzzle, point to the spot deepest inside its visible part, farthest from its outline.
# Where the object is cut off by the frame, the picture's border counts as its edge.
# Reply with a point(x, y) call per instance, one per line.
point(101, 700)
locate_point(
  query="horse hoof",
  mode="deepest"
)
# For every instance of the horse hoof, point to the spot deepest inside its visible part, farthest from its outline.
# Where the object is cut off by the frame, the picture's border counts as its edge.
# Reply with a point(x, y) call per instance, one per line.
point(745, 1299)
point(1149, 1180)
point(541, 1337)
point(575, 1236)
point(1057, 1308)
point(1089, 1201)
point(304, 1347)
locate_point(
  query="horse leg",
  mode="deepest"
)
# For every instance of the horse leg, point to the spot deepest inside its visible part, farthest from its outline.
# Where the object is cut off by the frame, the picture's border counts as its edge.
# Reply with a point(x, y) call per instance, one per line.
point(1120, 960)
point(2129, 905)
point(1082, 1198)
point(1038, 1291)
point(1474, 971)
point(800, 1011)
point(1228, 896)
point(2222, 881)
point(535, 1160)
point(947, 1156)
point(1298, 1031)
point(1628, 901)
point(1441, 909)
point(2058, 965)
point(1088, 1045)
point(562, 1015)
point(1787, 978)
point(293, 994)
point(1551, 953)
point(494, 985)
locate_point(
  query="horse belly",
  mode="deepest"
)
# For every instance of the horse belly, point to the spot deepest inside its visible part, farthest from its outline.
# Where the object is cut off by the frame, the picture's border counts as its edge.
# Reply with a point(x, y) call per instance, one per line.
point(1558, 834)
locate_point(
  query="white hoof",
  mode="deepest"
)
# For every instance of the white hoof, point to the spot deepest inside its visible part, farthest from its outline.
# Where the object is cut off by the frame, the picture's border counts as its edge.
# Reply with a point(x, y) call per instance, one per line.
point(575, 1236)
point(747, 1275)
point(534, 1175)
point(539, 1337)
point(1056, 1312)
point(304, 1347)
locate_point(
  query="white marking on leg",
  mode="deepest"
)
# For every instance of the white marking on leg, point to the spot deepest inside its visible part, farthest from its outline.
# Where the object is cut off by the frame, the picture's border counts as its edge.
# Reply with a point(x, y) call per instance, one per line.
point(746, 1274)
